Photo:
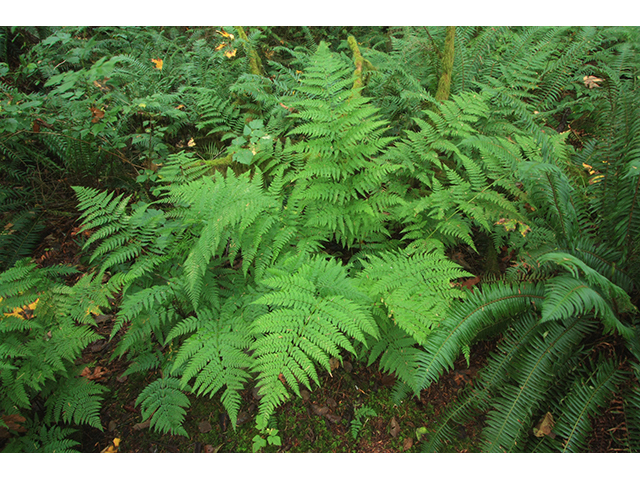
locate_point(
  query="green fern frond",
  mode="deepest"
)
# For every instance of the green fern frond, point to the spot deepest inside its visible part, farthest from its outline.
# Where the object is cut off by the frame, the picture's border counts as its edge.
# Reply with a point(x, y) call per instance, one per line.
point(481, 309)
point(532, 374)
point(44, 439)
point(76, 400)
point(164, 403)
point(585, 399)
point(215, 356)
point(315, 310)
point(416, 289)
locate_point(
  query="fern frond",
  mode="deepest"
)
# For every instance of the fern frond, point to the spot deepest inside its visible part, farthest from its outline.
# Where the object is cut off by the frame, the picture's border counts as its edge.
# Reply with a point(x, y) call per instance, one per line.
point(584, 400)
point(416, 289)
point(532, 374)
point(164, 402)
point(76, 400)
point(315, 310)
point(491, 305)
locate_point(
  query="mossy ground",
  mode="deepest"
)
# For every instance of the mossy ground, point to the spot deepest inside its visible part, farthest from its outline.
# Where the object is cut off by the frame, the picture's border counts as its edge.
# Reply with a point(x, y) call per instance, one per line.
point(318, 421)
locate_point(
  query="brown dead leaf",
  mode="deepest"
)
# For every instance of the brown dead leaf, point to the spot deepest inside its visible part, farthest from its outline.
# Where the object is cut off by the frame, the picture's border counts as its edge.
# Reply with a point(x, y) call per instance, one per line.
point(394, 427)
point(98, 373)
point(204, 426)
point(318, 410)
point(333, 418)
point(334, 363)
point(96, 114)
point(544, 426)
point(470, 282)
point(212, 449)
point(407, 444)
point(591, 81)
point(142, 425)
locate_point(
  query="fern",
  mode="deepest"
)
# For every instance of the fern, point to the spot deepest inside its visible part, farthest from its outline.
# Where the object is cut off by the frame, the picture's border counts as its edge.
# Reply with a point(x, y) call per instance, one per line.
point(164, 403)
point(76, 400)
point(415, 289)
point(315, 310)
point(584, 400)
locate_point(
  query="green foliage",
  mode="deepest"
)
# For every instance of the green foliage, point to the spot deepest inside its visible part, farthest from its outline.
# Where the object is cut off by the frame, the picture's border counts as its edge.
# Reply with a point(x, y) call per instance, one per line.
point(260, 203)
point(164, 403)
point(45, 326)
point(357, 423)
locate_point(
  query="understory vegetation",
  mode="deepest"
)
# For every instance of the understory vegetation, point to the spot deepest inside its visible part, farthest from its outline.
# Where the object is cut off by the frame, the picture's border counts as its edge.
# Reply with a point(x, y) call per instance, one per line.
point(256, 206)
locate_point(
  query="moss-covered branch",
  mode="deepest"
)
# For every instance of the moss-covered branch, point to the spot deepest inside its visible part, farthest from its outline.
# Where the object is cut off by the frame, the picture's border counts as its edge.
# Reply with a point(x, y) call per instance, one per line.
point(360, 63)
point(444, 86)
point(255, 64)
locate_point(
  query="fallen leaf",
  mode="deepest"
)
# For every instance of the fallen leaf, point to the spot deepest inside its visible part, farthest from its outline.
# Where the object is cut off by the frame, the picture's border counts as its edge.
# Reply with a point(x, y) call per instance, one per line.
point(282, 379)
point(97, 374)
point(191, 143)
point(243, 417)
point(101, 84)
point(407, 444)
point(544, 426)
point(223, 421)
point(591, 81)
point(333, 418)
point(142, 425)
point(230, 53)
point(204, 427)
point(225, 34)
point(96, 114)
point(158, 63)
point(212, 449)
point(331, 403)
point(470, 282)
point(394, 427)
point(334, 363)
point(112, 425)
point(305, 395)
point(319, 410)
point(113, 448)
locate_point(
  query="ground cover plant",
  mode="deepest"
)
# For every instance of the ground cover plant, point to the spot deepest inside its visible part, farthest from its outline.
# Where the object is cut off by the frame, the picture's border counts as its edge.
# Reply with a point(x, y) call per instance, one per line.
point(345, 239)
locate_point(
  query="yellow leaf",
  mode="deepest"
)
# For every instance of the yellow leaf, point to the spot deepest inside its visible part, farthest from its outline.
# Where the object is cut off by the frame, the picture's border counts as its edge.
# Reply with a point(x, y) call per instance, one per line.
point(230, 54)
point(112, 448)
point(191, 143)
point(95, 309)
point(158, 63)
point(225, 34)
point(589, 168)
point(18, 312)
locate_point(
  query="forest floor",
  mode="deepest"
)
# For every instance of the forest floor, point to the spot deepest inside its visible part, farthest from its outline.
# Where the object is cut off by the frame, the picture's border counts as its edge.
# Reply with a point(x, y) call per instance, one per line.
point(318, 421)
